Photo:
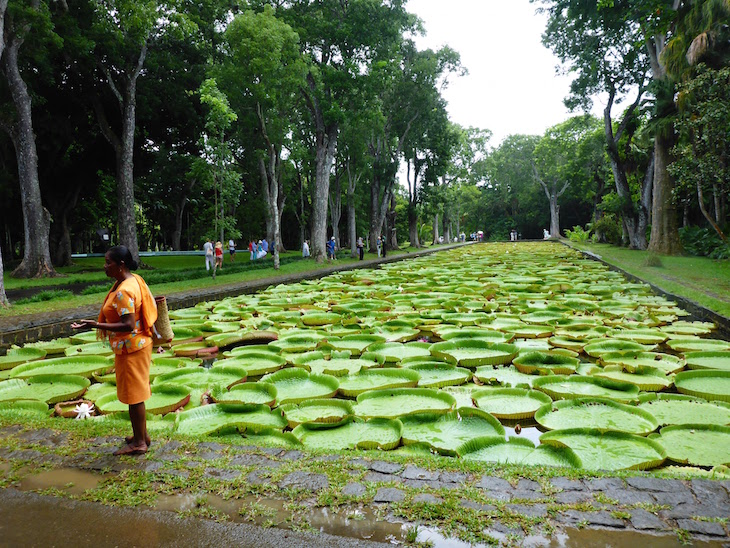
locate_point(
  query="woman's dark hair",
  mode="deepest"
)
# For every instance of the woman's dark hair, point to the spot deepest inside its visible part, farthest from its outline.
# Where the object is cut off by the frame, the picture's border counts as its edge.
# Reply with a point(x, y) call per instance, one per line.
point(120, 254)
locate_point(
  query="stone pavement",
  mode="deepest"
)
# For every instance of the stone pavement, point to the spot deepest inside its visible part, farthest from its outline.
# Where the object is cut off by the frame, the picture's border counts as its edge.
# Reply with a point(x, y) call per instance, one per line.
point(512, 511)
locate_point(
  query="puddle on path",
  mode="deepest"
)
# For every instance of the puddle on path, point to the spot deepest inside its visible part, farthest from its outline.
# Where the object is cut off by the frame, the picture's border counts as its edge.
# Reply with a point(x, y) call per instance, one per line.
point(595, 538)
point(70, 480)
point(5, 468)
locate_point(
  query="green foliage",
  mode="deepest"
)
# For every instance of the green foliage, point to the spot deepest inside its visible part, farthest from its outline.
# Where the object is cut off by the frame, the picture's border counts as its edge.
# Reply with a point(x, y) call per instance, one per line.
point(654, 260)
point(607, 229)
point(703, 242)
point(46, 296)
point(578, 234)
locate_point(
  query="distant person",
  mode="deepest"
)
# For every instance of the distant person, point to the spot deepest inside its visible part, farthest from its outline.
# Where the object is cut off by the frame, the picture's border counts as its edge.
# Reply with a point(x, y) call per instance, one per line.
point(383, 245)
point(260, 251)
point(545, 234)
point(361, 247)
point(379, 245)
point(331, 247)
point(218, 256)
point(209, 255)
point(232, 249)
point(252, 250)
point(265, 245)
point(305, 249)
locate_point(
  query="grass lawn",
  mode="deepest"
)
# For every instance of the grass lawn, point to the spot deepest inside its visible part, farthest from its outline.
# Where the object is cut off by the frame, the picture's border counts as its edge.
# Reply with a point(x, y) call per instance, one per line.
point(702, 280)
point(90, 271)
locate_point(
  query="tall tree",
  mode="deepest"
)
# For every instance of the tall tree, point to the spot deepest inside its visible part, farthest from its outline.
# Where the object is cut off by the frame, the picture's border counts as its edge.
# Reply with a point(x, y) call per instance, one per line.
point(3, 8)
point(341, 41)
point(21, 22)
point(263, 74)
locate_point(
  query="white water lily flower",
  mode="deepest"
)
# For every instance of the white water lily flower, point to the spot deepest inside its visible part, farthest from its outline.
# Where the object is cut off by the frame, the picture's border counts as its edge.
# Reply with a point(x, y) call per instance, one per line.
point(83, 410)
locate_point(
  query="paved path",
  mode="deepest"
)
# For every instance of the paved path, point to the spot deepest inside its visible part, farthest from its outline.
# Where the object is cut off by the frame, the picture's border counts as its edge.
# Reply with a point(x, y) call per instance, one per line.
point(519, 510)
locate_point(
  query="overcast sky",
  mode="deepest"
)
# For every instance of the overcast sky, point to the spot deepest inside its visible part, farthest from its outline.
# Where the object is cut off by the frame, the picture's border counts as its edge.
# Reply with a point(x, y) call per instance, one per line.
point(511, 86)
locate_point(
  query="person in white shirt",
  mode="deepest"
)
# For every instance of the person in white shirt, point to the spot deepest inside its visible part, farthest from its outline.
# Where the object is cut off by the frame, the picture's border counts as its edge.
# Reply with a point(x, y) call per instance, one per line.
point(231, 249)
point(209, 258)
point(305, 249)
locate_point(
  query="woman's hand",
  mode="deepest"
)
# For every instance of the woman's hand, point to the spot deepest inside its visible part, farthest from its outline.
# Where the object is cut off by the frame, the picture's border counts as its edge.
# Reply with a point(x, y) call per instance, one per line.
point(84, 323)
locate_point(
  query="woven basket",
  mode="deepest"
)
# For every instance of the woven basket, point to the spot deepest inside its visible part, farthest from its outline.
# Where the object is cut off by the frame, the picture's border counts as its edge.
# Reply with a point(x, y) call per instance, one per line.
point(163, 330)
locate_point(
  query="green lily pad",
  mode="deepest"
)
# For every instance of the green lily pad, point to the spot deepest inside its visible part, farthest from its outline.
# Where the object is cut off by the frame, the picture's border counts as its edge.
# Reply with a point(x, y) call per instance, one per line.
point(84, 366)
point(84, 337)
point(648, 379)
point(377, 379)
point(25, 408)
point(243, 336)
point(445, 433)
point(505, 376)
point(607, 449)
point(52, 347)
point(634, 360)
point(708, 360)
point(249, 393)
point(100, 348)
point(320, 318)
point(200, 377)
point(561, 387)
point(680, 409)
point(97, 390)
point(696, 444)
point(510, 403)
point(209, 419)
point(194, 350)
point(437, 375)
point(356, 343)
point(451, 333)
point(399, 402)
point(296, 385)
point(297, 343)
point(18, 356)
point(597, 413)
point(473, 353)
point(707, 383)
point(597, 349)
point(268, 437)
point(160, 366)
point(395, 352)
point(545, 363)
point(338, 364)
point(255, 363)
point(698, 345)
point(327, 412)
point(165, 398)
point(641, 336)
point(382, 434)
point(48, 388)
point(517, 451)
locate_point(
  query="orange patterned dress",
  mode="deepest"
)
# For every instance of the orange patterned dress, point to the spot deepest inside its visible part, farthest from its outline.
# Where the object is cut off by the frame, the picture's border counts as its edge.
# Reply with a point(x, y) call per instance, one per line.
point(133, 349)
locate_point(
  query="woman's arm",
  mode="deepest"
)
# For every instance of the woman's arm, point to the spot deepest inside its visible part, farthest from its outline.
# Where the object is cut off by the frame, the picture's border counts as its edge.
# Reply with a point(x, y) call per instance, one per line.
point(125, 323)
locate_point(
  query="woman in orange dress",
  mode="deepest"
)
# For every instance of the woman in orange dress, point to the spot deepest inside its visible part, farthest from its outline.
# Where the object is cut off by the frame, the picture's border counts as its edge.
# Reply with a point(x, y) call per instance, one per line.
point(127, 318)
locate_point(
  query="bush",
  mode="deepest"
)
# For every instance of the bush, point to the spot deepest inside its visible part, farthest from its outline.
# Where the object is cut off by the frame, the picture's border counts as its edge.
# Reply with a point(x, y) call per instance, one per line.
point(652, 259)
point(703, 242)
point(578, 235)
point(607, 229)
point(46, 296)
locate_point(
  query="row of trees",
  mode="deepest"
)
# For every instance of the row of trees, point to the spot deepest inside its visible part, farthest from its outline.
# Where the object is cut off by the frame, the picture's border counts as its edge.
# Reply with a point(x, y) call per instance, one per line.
point(168, 121)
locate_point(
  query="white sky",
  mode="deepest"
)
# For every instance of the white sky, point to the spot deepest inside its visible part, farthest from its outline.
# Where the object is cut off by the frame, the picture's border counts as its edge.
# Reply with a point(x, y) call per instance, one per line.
point(511, 86)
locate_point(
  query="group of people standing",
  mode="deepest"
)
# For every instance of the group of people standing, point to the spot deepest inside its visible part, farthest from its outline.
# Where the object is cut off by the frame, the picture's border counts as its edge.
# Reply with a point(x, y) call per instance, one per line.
point(214, 254)
point(258, 250)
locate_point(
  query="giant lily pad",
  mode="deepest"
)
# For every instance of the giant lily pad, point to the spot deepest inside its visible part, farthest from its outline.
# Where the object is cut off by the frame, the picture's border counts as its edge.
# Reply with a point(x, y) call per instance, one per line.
point(708, 383)
point(634, 360)
point(255, 363)
point(52, 347)
point(698, 345)
point(505, 376)
point(296, 385)
point(355, 343)
point(437, 375)
point(510, 403)
point(329, 412)
point(199, 377)
point(378, 378)
point(84, 366)
point(297, 343)
point(395, 352)
point(681, 409)
point(246, 393)
point(608, 450)
point(596, 413)
point(165, 398)
point(473, 353)
point(696, 444)
point(562, 387)
point(708, 360)
point(17, 356)
point(48, 388)
point(212, 418)
point(353, 434)
point(445, 433)
point(545, 363)
point(100, 348)
point(399, 402)
point(597, 349)
point(517, 451)
point(646, 378)
point(27, 408)
point(338, 363)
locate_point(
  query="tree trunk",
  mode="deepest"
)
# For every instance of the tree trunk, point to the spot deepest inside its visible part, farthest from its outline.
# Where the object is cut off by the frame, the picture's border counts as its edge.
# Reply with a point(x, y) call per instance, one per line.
point(435, 228)
point(335, 201)
point(3, 297)
point(36, 219)
point(713, 223)
point(447, 228)
point(352, 181)
point(554, 216)
point(125, 175)
point(179, 211)
point(392, 236)
point(268, 169)
point(665, 220)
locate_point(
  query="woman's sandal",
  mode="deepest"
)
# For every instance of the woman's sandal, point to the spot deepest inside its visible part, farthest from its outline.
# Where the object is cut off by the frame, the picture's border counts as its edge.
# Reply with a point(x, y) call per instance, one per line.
point(130, 450)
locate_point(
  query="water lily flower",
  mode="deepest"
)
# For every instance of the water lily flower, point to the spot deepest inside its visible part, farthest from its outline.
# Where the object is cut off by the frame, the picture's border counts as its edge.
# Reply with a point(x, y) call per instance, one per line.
point(84, 410)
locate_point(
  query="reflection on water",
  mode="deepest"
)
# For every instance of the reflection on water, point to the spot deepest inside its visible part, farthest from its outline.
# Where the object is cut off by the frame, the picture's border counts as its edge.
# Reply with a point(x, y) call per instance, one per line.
point(72, 481)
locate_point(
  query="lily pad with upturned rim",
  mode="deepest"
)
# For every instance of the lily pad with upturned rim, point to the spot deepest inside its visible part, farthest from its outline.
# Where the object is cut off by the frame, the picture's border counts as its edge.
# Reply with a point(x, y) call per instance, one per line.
point(517, 451)
point(83, 366)
point(52, 347)
point(696, 444)
point(473, 353)
point(165, 398)
point(698, 345)
point(445, 433)
point(597, 349)
point(648, 379)
point(510, 403)
point(212, 418)
point(395, 352)
point(632, 361)
point(382, 434)
point(674, 409)
point(337, 364)
point(706, 383)
point(597, 413)
point(324, 412)
point(18, 356)
point(246, 393)
point(437, 375)
point(545, 363)
point(255, 364)
point(200, 377)
point(608, 450)
point(708, 360)
point(355, 343)
point(399, 402)
point(25, 407)
point(562, 387)
point(379, 378)
point(506, 376)
point(48, 388)
point(295, 385)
